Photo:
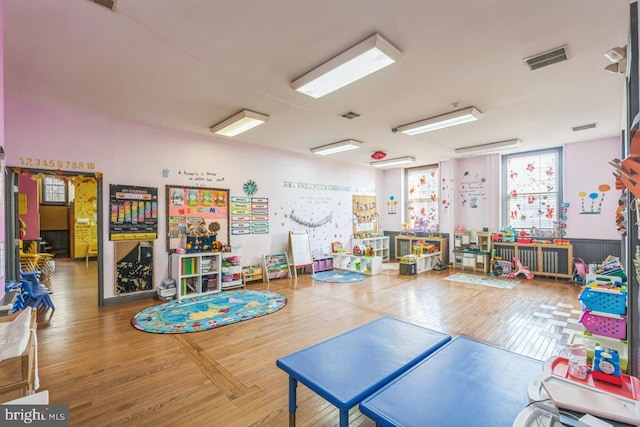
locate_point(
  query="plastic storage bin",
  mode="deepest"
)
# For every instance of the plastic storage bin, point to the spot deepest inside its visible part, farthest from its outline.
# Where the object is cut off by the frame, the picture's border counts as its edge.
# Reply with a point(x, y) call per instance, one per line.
point(591, 341)
point(408, 268)
point(604, 300)
point(606, 325)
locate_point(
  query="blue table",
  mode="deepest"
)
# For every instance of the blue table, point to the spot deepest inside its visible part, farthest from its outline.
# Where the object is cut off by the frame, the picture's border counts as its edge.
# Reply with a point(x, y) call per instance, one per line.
point(464, 383)
point(347, 368)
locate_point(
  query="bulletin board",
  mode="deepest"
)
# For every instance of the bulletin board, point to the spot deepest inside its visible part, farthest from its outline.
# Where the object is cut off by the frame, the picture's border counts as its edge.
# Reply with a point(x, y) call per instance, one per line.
point(133, 212)
point(190, 206)
point(365, 216)
point(134, 266)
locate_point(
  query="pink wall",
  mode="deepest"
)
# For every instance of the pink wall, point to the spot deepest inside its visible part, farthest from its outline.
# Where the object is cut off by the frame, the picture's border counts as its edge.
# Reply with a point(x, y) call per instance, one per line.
point(135, 154)
point(591, 214)
point(28, 186)
point(2, 215)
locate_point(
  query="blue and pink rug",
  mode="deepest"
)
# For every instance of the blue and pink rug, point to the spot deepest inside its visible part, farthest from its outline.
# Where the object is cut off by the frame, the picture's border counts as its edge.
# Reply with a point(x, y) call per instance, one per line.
point(338, 276)
point(204, 312)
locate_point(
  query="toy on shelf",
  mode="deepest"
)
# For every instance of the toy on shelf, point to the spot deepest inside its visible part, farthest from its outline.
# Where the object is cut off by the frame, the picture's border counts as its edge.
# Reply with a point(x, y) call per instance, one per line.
point(358, 249)
point(336, 247)
point(369, 251)
point(508, 234)
point(520, 269)
point(606, 366)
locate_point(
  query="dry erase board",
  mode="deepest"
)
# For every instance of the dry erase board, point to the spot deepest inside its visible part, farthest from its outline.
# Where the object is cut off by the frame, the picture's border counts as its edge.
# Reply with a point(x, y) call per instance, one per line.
point(300, 248)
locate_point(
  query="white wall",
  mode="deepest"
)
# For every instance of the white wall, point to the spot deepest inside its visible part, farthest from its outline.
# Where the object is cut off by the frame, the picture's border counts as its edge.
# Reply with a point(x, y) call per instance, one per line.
point(133, 154)
point(392, 187)
point(586, 170)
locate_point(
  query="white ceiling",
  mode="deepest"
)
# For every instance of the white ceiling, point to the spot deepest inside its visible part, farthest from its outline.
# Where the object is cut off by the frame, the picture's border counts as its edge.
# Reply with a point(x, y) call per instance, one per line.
point(189, 64)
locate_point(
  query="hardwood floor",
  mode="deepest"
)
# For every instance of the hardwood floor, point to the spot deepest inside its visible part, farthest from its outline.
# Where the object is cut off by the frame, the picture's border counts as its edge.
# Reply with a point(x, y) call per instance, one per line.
point(109, 373)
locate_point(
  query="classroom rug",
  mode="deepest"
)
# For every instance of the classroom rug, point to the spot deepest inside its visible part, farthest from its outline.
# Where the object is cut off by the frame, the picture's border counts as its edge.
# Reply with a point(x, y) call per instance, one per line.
point(338, 276)
point(204, 312)
point(483, 280)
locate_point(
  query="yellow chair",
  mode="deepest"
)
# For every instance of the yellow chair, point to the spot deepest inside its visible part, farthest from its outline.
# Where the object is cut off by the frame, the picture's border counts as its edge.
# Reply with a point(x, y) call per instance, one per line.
point(92, 251)
point(31, 260)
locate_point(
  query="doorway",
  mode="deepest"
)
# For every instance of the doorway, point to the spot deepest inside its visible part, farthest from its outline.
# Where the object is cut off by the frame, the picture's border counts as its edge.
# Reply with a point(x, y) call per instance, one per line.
point(58, 211)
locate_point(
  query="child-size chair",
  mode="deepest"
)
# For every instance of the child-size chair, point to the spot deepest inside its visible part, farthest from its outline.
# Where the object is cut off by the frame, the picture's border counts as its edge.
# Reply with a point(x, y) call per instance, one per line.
point(92, 251)
point(36, 297)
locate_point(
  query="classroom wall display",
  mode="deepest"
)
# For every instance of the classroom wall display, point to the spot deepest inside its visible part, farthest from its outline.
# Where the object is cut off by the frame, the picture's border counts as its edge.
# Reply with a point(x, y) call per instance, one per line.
point(133, 266)
point(365, 215)
point(472, 189)
point(189, 207)
point(249, 215)
point(591, 201)
point(327, 218)
point(133, 212)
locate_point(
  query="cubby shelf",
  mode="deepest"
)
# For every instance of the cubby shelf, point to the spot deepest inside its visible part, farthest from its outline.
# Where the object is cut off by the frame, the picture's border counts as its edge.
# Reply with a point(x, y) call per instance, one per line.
point(361, 264)
point(202, 273)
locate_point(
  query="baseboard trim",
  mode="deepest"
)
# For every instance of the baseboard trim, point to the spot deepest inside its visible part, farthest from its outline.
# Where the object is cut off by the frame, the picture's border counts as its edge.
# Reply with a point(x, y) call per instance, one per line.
point(138, 296)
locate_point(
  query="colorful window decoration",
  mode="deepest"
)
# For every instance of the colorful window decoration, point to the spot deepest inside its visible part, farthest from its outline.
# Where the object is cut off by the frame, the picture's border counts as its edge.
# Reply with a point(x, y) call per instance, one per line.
point(423, 199)
point(532, 192)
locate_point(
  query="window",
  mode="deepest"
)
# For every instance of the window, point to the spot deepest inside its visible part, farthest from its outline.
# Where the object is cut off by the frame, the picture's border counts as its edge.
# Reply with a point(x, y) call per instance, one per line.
point(422, 198)
point(532, 191)
point(54, 191)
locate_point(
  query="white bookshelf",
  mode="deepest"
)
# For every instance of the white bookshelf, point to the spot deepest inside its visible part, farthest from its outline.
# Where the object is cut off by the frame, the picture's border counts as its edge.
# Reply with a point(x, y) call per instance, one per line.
point(196, 274)
point(231, 269)
point(357, 263)
point(380, 245)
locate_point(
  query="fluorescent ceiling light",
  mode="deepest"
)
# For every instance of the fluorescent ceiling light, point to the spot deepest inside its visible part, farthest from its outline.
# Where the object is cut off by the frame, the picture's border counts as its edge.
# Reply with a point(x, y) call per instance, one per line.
point(393, 162)
point(238, 123)
point(493, 146)
point(366, 57)
point(445, 120)
point(337, 147)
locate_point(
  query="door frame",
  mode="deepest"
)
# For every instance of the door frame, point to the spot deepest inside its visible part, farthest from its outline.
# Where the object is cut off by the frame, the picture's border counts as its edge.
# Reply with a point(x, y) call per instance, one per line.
point(12, 227)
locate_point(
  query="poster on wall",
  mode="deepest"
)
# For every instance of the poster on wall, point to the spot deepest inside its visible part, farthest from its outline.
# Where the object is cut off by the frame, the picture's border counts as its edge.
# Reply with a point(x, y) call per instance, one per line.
point(134, 266)
point(249, 215)
point(133, 212)
point(196, 211)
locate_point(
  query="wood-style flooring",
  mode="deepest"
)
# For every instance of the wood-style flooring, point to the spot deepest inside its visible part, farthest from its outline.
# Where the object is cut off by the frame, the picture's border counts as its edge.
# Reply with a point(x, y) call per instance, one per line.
point(109, 373)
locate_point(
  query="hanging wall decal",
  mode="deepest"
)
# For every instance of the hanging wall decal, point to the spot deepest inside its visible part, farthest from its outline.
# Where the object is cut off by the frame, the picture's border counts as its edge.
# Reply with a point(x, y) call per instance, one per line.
point(590, 208)
point(472, 189)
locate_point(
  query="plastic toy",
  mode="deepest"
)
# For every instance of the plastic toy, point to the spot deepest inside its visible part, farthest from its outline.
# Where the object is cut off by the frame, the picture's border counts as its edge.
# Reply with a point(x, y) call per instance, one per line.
point(520, 269)
point(501, 268)
point(439, 265)
point(358, 250)
point(508, 234)
point(579, 271)
point(606, 366)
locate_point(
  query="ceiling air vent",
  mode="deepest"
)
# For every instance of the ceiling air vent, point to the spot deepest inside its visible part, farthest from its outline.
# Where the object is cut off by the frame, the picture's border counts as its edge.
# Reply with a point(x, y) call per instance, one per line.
point(109, 4)
point(350, 115)
point(550, 57)
point(584, 127)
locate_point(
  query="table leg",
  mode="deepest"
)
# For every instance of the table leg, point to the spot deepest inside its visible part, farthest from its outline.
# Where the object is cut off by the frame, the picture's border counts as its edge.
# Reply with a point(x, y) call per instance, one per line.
point(344, 417)
point(293, 384)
